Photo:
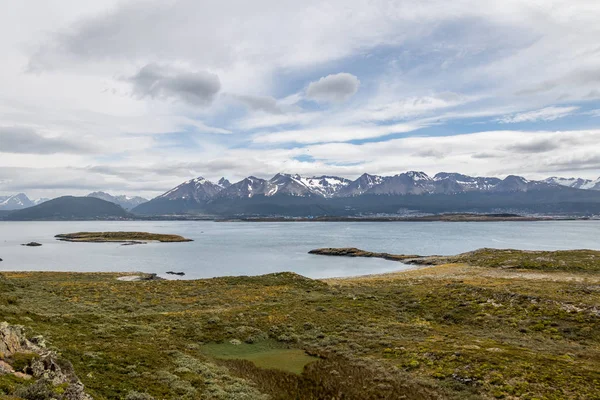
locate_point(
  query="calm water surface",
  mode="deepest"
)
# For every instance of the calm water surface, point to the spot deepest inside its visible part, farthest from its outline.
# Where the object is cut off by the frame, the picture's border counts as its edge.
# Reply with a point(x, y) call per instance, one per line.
point(240, 248)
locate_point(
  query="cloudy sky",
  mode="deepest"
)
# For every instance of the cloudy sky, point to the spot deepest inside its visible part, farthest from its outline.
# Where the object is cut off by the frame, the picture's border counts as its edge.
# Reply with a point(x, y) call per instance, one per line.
point(133, 97)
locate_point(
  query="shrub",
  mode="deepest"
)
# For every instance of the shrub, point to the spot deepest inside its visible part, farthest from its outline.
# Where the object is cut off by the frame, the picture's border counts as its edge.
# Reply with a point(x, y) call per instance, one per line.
point(133, 395)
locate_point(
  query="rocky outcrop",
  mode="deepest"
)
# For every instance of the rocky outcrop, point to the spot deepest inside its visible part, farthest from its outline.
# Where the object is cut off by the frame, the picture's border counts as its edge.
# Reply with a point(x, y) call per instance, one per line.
point(28, 359)
point(354, 252)
point(12, 339)
point(140, 278)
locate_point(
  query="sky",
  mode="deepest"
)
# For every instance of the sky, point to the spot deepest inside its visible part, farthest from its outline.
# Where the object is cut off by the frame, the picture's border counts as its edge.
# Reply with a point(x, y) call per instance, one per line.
point(135, 97)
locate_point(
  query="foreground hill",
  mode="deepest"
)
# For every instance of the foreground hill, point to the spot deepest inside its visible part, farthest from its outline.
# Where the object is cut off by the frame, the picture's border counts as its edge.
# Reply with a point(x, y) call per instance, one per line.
point(70, 208)
point(492, 324)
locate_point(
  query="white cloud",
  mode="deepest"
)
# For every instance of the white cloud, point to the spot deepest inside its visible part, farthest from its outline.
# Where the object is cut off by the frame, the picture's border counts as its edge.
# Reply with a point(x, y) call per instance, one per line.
point(593, 113)
point(545, 114)
point(416, 64)
point(326, 134)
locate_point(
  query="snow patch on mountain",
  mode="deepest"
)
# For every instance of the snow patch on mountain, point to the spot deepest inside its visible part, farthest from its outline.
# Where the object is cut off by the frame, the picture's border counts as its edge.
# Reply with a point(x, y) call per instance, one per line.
point(577, 183)
point(15, 202)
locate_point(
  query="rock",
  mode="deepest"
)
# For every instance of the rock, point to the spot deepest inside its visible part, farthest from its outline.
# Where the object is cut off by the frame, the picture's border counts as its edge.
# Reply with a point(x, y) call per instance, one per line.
point(494, 350)
point(46, 367)
point(235, 342)
point(38, 341)
point(12, 339)
point(22, 375)
point(176, 273)
point(32, 244)
point(5, 368)
point(138, 278)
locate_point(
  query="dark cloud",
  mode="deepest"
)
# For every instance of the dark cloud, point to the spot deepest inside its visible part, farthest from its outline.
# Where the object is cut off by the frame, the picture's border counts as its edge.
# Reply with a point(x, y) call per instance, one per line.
point(580, 163)
point(535, 146)
point(430, 153)
point(27, 141)
point(333, 88)
point(577, 78)
point(260, 103)
point(484, 155)
point(195, 88)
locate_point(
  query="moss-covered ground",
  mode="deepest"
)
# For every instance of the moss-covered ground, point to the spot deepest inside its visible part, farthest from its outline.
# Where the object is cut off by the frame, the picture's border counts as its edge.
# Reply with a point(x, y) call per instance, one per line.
point(466, 330)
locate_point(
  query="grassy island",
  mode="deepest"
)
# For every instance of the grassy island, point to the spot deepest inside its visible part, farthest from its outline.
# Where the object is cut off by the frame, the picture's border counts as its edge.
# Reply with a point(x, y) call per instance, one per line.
point(502, 324)
point(99, 237)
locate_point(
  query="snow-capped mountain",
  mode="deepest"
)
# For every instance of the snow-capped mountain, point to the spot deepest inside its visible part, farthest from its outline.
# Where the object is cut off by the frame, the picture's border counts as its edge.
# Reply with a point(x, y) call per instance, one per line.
point(577, 183)
point(198, 189)
point(41, 200)
point(326, 186)
point(411, 182)
point(127, 202)
point(246, 188)
point(467, 183)
point(513, 183)
point(224, 182)
point(203, 196)
point(363, 184)
point(16, 202)
point(285, 184)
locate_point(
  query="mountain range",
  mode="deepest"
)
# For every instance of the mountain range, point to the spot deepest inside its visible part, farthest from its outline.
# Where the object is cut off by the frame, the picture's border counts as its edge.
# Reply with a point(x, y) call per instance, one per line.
point(21, 201)
point(292, 194)
point(295, 195)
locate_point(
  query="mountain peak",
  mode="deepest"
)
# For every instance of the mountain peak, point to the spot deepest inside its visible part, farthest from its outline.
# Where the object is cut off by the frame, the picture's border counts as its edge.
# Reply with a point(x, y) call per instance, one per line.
point(418, 175)
point(15, 202)
point(224, 182)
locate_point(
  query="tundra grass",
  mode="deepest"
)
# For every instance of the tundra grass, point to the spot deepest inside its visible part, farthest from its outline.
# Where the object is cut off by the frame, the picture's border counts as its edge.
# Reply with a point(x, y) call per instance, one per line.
point(459, 331)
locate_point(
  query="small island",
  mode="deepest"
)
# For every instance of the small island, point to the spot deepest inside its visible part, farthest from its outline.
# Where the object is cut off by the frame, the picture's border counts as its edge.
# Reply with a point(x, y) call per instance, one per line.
point(354, 252)
point(120, 237)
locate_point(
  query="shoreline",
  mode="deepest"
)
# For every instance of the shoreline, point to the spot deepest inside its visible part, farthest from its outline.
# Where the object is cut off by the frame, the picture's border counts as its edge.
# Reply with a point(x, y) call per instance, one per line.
point(452, 217)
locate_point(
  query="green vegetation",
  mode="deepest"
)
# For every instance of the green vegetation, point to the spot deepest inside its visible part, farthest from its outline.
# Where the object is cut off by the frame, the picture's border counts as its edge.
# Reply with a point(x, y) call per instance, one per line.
point(566, 260)
point(268, 354)
point(119, 237)
point(456, 331)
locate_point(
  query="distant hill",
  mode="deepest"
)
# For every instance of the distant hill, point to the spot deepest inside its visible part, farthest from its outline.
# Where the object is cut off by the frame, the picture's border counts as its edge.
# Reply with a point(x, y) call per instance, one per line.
point(4, 213)
point(127, 202)
point(70, 208)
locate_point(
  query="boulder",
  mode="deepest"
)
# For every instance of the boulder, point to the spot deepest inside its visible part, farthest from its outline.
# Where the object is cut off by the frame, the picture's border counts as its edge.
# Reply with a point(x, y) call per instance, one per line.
point(12, 339)
point(47, 368)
